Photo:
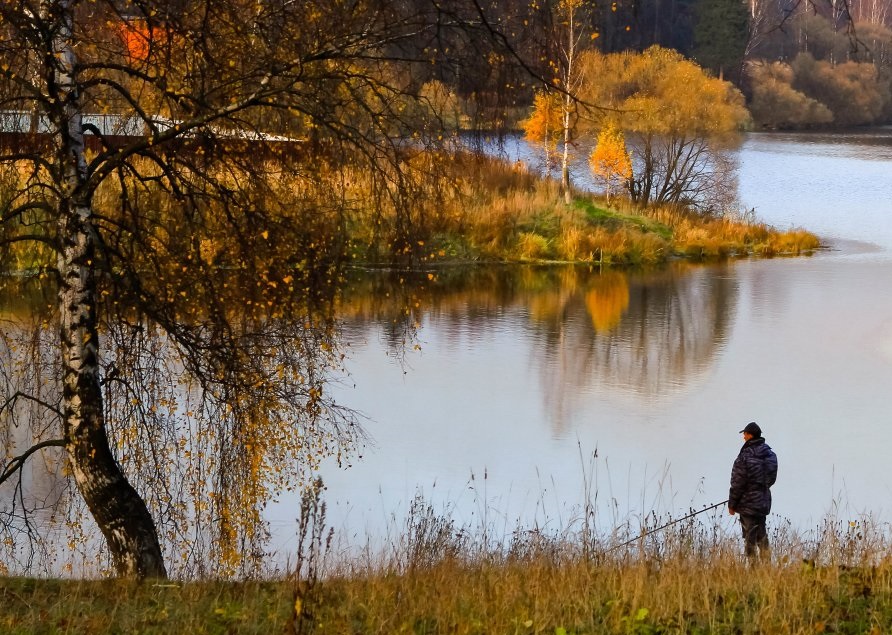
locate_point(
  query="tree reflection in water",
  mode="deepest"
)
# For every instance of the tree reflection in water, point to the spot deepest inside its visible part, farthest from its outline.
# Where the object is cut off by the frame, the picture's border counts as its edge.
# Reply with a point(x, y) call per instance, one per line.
point(648, 333)
point(607, 300)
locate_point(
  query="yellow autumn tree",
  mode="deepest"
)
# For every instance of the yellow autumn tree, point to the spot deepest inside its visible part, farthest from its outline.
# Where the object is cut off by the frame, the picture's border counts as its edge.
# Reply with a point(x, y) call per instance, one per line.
point(683, 120)
point(610, 161)
point(545, 124)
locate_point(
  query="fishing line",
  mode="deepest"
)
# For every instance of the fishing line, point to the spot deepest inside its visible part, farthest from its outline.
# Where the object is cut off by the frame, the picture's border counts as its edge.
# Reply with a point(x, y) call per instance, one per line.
point(669, 524)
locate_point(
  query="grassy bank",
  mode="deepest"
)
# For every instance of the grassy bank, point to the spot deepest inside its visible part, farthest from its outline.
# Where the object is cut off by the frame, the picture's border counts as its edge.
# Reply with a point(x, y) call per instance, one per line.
point(439, 579)
point(672, 595)
point(490, 210)
point(432, 207)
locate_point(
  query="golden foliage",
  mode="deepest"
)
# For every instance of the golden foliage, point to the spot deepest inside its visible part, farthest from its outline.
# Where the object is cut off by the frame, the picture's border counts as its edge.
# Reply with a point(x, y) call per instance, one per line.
point(681, 117)
point(252, 418)
point(545, 124)
point(610, 161)
point(660, 92)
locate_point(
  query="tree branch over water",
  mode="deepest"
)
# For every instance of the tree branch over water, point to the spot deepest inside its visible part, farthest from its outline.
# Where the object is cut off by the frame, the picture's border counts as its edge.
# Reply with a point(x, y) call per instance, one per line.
point(16, 463)
point(12, 399)
point(182, 171)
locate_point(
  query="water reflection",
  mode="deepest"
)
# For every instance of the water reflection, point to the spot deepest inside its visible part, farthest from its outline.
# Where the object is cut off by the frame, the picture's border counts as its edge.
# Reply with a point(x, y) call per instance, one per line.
point(869, 144)
point(607, 301)
point(34, 509)
point(648, 333)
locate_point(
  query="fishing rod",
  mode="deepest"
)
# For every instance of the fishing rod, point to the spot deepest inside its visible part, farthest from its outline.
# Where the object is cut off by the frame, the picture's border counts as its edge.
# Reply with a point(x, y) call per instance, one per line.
point(669, 524)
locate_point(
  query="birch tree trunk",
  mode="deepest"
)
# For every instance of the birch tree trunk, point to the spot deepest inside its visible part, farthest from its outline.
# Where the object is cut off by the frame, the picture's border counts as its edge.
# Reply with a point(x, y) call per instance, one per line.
point(570, 82)
point(119, 511)
point(565, 162)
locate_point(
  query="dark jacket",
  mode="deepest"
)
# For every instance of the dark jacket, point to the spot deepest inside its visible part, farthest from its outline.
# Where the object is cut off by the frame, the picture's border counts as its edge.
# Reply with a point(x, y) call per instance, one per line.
point(754, 471)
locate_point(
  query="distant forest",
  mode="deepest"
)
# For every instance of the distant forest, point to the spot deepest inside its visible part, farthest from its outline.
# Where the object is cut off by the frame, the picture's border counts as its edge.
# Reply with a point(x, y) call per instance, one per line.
point(799, 63)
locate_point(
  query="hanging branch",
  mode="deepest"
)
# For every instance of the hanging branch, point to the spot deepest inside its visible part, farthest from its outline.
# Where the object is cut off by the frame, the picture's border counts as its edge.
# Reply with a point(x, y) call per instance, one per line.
point(11, 401)
point(16, 463)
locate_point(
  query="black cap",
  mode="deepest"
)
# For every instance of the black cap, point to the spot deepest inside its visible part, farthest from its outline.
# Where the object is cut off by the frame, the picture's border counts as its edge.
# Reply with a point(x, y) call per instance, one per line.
point(753, 429)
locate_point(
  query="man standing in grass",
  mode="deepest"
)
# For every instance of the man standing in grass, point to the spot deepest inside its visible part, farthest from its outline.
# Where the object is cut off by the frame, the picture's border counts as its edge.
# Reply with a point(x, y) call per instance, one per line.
point(753, 473)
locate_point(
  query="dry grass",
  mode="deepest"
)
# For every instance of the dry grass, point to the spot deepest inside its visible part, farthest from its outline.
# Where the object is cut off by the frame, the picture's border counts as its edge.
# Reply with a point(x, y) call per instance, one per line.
point(689, 578)
point(503, 213)
point(459, 206)
point(441, 578)
point(705, 237)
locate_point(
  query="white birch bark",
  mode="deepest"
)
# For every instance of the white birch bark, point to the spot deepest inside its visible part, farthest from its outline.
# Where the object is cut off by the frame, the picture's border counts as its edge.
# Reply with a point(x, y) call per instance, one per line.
point(119, 511)
point(571, 84)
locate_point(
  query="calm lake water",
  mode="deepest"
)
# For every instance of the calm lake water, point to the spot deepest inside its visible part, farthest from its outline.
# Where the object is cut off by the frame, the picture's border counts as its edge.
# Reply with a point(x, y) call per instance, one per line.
point(527, 388)
point(511, 396)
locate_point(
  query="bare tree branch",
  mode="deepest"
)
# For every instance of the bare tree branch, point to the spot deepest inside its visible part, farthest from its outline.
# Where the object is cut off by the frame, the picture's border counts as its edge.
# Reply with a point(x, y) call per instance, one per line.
point(16, 463)
point(13, 399)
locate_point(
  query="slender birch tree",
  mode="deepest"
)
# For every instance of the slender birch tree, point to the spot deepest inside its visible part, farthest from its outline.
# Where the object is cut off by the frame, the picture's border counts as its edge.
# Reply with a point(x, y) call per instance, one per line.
point(571, 15)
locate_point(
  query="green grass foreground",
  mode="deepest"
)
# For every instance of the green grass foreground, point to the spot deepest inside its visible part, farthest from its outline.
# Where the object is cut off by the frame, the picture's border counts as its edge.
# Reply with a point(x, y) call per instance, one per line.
point(668, 589)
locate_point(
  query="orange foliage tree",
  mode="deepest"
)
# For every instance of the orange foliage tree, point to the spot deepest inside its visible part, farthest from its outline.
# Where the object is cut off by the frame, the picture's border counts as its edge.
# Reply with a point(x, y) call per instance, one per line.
point(610, 161)
point(545, 124)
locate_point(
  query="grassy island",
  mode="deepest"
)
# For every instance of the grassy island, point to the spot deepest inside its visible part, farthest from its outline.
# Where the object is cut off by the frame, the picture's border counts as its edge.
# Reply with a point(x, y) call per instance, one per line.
point(495, 211)
point(460, 207)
